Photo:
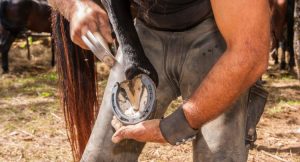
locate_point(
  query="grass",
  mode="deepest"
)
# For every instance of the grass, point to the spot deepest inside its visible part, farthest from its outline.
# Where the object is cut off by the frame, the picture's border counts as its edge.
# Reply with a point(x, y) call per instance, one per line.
point(32, 124)
point(274, 110)
point(280, 104)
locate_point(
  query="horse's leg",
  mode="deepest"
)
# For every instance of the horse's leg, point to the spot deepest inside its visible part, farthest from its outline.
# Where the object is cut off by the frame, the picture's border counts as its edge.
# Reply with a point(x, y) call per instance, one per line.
point(100, 146)
point(290, 33)
point(278, 22)
point(297, 53)
point(119, 13)
point(297, 37)
point(274, 47)
point(28, 47)
point(275, 29)
point(5, 63)
point(52, 52)
point(281, 55)
point(6, 47)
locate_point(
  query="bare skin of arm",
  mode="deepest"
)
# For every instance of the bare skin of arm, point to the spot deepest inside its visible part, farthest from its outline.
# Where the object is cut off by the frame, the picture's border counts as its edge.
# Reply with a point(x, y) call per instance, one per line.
point(83, 15)
point(244, 25)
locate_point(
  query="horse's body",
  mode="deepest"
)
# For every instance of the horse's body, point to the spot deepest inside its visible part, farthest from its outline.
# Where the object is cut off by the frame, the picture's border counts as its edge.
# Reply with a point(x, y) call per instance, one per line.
point(17, 16)
point(282, 12)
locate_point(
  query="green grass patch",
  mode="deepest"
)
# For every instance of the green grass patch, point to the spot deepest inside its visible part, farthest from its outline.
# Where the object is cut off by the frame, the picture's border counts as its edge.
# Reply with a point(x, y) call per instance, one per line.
point(275, 110)
point(293, 103)
point(288, 78)
point(44, 85)
point(46, 94)
point(52, 76)
point(281, 106)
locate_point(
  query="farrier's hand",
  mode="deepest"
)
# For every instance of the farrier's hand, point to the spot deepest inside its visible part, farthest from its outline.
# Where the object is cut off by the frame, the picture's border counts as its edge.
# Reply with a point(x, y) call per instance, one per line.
point(85, 16)
point(147, 131)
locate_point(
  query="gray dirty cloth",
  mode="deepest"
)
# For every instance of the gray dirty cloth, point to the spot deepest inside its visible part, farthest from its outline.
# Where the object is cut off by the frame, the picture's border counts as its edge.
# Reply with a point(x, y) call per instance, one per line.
point(173, 14)
point(182, 60)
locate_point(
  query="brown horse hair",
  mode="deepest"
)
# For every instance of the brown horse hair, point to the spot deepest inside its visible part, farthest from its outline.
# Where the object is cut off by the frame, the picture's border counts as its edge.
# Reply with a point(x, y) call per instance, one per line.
point(77, 83)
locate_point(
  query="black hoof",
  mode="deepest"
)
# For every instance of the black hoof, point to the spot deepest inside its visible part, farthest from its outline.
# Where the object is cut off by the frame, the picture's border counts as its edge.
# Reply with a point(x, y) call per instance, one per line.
point(5, 70)
point(282, 66)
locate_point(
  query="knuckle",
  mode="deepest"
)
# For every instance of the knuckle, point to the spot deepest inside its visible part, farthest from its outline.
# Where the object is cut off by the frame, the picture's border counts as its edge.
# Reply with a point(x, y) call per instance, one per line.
point(94, 13)
point(77, 33)
point(72, 34)
point(124, 132)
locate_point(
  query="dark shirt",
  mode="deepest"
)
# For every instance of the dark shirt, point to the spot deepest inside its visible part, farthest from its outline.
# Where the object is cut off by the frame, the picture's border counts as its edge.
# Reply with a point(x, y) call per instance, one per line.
point(172, 14)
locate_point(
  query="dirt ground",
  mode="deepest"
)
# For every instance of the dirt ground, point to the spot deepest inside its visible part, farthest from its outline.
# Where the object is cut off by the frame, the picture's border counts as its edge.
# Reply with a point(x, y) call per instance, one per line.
point(32, 126)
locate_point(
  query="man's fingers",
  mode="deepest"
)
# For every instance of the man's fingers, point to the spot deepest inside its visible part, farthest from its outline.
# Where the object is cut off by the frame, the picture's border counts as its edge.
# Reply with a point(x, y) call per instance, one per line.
point(106, 33)
point(105, 29)
point(122, 133)
point(116, 123)
point(144, 131)
point(76, 37)
point(78, 41)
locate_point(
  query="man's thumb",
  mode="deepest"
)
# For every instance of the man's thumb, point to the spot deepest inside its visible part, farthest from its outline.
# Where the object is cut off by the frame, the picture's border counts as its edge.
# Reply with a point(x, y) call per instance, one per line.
point(119, 135)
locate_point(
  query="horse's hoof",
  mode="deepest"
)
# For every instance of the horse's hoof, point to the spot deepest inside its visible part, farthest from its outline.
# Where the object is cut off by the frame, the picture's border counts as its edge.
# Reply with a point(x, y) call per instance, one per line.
point(263, 82)
point(5, 71)
point(282, 66)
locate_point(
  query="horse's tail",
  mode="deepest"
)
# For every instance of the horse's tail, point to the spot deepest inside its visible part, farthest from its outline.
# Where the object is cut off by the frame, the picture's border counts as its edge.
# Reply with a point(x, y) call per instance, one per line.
point(78, 88)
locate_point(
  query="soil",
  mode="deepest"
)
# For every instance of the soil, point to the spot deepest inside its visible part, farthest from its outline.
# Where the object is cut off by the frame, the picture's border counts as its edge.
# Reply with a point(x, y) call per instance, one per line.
point(32, 126)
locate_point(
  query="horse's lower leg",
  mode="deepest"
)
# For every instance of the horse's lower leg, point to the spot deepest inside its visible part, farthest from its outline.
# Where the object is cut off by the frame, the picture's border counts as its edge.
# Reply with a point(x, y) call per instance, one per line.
point(28, 48)
point(290, 32)
point(53, 54)
point(274, 49)
point(274, 55)
point(290, 45)
point(281, 55)
point(297, 51)
point(297, 62)
point(5, 63)
point(287, 58)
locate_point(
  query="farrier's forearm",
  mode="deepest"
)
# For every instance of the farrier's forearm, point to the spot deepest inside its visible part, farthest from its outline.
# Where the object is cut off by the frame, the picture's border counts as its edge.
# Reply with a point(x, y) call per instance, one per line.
point(234, 73)
point(64, 7)
point(247, 35)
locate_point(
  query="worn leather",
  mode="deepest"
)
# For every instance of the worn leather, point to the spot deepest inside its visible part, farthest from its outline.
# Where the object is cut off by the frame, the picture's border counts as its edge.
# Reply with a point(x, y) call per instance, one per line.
point(256, 103)
point(176, 129)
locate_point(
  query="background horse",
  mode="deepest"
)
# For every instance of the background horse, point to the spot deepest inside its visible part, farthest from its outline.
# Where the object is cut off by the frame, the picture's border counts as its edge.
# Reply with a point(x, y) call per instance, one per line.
point(282, 19)
point(17, 16)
